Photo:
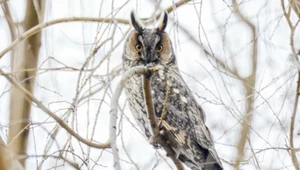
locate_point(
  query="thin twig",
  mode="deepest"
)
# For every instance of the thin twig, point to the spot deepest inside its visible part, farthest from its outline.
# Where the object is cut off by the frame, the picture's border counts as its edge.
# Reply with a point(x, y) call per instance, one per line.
point(292, 124)
point(50, 113)
point(291, 26)
point(45, 157)
point(39, 28)
point(176, 5)
point(164, 111)
point(19, 134)
point(249, 84)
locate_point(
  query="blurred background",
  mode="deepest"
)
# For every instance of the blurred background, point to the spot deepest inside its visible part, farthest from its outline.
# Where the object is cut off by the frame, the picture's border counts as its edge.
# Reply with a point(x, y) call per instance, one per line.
point(239, 57)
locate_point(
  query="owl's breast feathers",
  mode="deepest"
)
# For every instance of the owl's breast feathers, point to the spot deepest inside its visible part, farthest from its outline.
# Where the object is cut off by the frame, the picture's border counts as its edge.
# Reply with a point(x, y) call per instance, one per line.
point(184, 119)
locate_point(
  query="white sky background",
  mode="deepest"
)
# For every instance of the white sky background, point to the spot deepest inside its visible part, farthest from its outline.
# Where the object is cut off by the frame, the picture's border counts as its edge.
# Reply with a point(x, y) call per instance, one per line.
point(221, 96)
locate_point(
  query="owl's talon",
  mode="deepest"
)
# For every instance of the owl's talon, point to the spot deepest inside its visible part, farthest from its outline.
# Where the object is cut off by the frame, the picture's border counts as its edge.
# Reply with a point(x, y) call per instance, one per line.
point(153, 142)
point(168, 142)
point(162, 132)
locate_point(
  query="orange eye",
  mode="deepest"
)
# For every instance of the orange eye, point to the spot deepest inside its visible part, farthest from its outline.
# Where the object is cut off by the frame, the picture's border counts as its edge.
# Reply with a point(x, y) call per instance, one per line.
point(138, 47)
point(159, 48)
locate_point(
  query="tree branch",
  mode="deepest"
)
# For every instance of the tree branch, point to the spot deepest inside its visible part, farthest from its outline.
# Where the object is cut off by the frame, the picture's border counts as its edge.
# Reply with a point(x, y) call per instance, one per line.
point(155, 128)
point(39, 27)
point(249, 84)
point(176, 5)
point(51, 114)
point(114, 110)
point(150, 111)
point(292, 124)
point(8, 158)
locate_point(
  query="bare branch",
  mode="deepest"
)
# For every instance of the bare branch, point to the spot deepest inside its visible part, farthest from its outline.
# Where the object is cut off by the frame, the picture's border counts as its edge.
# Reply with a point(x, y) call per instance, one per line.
point(8, 159)
point(39, 28)
point(292, 124)
point(164, 112)
point(114, 110)
point(50, 113)
point(249, 84)
point(153, 123)
point(294, 54)
point(292, 28)
point(176, 5)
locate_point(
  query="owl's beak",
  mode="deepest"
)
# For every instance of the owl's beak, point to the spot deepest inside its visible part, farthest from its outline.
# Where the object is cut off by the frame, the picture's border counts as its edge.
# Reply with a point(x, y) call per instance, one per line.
point(149, 56)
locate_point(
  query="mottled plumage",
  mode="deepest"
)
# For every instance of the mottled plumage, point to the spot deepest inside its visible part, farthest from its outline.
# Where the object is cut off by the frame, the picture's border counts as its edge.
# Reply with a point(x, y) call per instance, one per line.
point(184, 120)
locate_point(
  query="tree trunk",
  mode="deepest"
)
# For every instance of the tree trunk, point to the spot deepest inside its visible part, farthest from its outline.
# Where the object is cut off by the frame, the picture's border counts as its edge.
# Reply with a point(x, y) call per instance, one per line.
point(8, 159)
point(24, 57)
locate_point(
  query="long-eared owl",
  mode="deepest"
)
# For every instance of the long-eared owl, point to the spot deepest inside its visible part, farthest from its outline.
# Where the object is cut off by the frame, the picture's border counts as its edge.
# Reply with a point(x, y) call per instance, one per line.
point(184, 118)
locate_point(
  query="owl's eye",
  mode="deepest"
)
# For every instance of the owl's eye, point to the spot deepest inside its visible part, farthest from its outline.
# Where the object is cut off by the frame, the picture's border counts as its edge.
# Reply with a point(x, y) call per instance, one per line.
point(159, 48)
point(138, 47)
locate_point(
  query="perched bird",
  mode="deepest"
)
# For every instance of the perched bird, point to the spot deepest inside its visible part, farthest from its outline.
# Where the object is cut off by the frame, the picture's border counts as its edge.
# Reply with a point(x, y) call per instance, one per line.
point(184, 118)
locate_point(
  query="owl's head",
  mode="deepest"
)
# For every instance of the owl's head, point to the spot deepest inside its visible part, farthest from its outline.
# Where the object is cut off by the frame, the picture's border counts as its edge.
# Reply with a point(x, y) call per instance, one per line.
point(148, 46)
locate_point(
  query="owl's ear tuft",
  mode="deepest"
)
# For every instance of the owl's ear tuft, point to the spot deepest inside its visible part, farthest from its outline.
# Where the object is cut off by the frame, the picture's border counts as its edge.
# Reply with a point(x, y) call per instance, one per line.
point(137, 25)
point(163, 21)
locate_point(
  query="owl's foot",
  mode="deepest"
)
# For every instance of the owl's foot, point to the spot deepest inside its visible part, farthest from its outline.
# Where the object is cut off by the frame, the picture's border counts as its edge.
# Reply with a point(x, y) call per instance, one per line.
point(153, 142)
point(176, 152)
point(162, 132)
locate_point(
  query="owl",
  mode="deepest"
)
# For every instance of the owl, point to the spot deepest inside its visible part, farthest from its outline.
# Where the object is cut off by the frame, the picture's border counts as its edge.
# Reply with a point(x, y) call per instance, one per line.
point(184, 119)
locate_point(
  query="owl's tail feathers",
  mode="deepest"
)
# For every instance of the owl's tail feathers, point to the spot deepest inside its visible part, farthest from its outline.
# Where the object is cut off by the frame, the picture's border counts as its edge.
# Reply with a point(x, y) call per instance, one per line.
point(214, 166)
point(188, 162)
point(212, 162)
point(217, 167)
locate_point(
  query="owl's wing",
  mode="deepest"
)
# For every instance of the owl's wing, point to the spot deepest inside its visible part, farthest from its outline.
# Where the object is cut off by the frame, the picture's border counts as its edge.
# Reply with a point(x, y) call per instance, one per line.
point(185, 119)
point(183, 145)
point(178, 139)
point(204, 137)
